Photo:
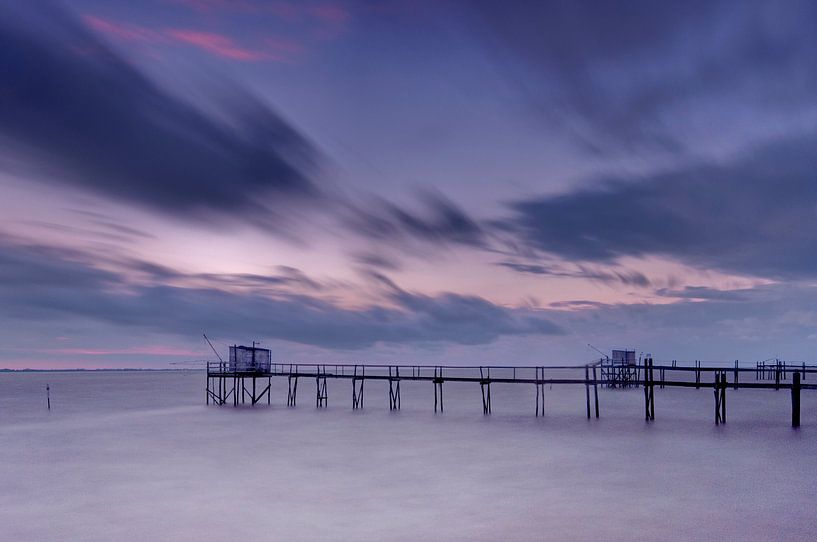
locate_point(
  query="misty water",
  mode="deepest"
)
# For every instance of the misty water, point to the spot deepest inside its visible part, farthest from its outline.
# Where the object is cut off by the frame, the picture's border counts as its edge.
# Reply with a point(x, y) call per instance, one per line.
point(138, 456)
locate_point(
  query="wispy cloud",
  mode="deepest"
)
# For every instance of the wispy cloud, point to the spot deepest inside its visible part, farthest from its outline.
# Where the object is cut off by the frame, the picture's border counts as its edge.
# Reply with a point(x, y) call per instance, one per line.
point(272, 49)
point(122, 31)
point(218, 45)
point(44, 284)
point(95, 122)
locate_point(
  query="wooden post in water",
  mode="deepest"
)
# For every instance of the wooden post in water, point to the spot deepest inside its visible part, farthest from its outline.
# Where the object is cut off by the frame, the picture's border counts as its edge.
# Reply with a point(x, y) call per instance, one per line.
point(737, 372)
point(587, 389)
point(596, 391)
point(485, 387)
point(540, 391)
point(322, 397)
point(723, 396)
point(795, 400)
point(438, 386)
point(292, 391)
point(48, 395)
point(720, 397)
point(649, 390)
point(394, 390)
point(357, 391)
point(717, 399)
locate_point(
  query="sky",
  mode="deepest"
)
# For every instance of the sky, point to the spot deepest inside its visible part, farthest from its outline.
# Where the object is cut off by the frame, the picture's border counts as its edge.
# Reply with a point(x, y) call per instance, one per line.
point(406, 181)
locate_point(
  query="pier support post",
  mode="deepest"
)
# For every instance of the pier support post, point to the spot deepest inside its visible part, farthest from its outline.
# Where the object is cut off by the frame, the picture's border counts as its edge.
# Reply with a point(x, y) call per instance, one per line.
point(777, 376)
point(697, 374)
point(587, 390)
point(540, 391)
point(320, 385)
point(357, 388)
point(438, 388)
point(720, 397)
point(485, 387)
point(649, 390)
point(292, 391)
point(795, 400)
point(394, 389)
point(737, 375)
point(595, 392)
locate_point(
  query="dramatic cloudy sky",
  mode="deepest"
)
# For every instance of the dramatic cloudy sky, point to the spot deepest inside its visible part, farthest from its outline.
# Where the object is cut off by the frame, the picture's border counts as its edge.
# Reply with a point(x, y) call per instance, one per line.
point(441, 181)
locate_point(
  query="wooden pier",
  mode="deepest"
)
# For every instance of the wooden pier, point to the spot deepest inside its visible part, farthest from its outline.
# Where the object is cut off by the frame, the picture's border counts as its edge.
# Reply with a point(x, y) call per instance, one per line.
point(232, 383)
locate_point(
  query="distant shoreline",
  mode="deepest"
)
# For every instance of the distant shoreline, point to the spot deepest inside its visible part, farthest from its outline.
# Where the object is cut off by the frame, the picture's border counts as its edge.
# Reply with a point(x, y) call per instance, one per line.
point(125, 370)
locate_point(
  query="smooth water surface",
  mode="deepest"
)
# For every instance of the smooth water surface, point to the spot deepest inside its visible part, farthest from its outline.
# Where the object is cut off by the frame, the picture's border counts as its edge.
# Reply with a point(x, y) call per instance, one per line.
point(138, 456)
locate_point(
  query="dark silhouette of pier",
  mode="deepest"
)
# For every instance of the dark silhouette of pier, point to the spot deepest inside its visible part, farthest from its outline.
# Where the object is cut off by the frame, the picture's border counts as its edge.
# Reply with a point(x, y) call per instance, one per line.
point(237, 383)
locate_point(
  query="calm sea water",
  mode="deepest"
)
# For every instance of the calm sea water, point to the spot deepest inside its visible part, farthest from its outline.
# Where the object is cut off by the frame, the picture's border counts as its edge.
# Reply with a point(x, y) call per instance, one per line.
point(138, 456)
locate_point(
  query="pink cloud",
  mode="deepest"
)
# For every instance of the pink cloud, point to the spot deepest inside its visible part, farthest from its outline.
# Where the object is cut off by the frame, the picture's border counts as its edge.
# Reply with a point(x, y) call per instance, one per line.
point(121, 31)
point(271, 49)
point(217, 44)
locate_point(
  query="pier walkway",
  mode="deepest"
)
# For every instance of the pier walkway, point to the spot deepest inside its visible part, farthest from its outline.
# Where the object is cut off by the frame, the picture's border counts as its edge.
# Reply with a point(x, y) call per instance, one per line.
point(226, 383)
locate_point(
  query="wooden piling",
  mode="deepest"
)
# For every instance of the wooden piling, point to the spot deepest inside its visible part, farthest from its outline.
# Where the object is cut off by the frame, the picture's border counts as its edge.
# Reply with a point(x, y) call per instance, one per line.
point(438, 388)
point(720, 397)
point(737, 373)
point(596, 391)
point(795, 400)
point(649, 390)
point(292, 389)
point(394, 388)
point(321, 397)
point(540, 391)
point(485, 387)
point(357, 388)
point(723, 396)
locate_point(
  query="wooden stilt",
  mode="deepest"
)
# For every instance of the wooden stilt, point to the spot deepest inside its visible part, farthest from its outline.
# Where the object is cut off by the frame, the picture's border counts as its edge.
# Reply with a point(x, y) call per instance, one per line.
point(292, 392)
point(394, 388)
point(595, 392)
point(540, 391)
point(438, 388)
point(649, 390)
point(795, 400)
point(485, 387)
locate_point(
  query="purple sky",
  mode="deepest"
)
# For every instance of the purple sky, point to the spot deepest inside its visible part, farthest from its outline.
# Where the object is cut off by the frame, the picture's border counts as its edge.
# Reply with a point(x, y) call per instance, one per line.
point(397, 180)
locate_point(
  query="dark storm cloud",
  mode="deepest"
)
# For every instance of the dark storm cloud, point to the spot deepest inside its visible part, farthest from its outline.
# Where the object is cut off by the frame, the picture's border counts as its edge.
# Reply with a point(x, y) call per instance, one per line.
point(73, 111)
point(756, 215)
point(45, 284)
point(620, 73)
point(440, 221)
